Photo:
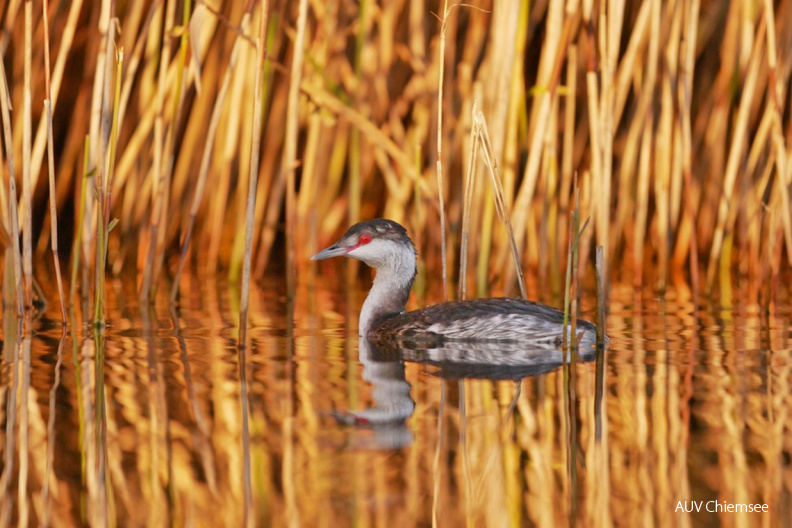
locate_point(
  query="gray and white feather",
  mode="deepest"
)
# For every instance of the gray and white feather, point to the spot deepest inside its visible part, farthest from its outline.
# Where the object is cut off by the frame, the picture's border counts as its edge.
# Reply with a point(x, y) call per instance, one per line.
point(385, 246)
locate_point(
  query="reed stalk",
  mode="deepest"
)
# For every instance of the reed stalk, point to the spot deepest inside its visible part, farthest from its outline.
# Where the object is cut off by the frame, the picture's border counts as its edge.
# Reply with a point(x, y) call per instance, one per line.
point(439, 163)
point(158, 176)
point(27, 184)
point(467, 205)
point(104, 196)
point(570, 304)
point(76, 245)
point(686, 74)
point(170, 139)
point(290, 154)
point(53, 82)
point(51, 167)
point(261, 54)
point(98, 113)
point(355, 184)
point(498, 196)
point(13, 214)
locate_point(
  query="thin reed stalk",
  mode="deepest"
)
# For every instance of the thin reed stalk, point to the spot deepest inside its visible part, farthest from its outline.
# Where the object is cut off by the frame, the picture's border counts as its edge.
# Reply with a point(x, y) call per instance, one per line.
point(53, 81)
point(441, 63)
point(13, 214)
point(170, 139)
point(355, 184)
point(600, 271)
point(95, 131)
point(290, 144)
point(467, 204)
point(78, 232)
point(104, 196)
point(498, 196)
point(261, 53)
point(158, 172)
point(27, 184)
point(574, 235)
point(51, 167)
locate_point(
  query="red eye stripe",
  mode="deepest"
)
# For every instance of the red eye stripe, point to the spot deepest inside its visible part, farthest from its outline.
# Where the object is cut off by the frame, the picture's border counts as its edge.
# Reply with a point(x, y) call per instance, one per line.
point(362, 241)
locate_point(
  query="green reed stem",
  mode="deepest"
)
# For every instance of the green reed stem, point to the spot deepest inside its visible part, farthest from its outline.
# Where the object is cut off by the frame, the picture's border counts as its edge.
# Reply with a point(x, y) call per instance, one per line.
point(77, 243)
point(104, 196)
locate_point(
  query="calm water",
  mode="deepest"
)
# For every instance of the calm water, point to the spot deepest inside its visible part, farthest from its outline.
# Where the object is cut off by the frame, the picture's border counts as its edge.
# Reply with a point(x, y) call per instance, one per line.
point(163, 422)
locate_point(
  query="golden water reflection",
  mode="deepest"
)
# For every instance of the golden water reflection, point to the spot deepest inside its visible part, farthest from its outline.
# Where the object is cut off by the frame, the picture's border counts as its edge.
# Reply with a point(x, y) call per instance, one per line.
point(163, 421)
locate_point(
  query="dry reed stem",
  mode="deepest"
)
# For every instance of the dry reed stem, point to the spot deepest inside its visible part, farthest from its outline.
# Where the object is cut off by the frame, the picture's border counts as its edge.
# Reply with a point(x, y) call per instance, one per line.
point(290, 156)
point(685, 94)
point(158, 176)
point(53, 87)
point(13, 214)
point(51, 166)
point(439, 163)
point(27, 186)
point(467, 204)
point(354, 172)
point(104, 196)
point(97, 113)
point(497, 195)
point(601, 297)
point(261, 53)
point(642, 204)
point(571, 277)
point(603, 185)
point(53, 210)
point(170, 139)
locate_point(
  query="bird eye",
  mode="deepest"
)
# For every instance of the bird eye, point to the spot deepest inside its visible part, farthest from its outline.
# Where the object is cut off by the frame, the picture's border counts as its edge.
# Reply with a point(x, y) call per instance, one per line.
point(365, 239)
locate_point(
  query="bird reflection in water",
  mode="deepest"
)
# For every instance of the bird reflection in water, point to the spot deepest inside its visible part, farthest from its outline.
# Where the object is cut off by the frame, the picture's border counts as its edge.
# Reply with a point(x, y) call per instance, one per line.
point(383, 367)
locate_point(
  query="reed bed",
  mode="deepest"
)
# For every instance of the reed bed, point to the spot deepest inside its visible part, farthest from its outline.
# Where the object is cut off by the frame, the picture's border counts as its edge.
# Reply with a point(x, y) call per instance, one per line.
point(676, 117)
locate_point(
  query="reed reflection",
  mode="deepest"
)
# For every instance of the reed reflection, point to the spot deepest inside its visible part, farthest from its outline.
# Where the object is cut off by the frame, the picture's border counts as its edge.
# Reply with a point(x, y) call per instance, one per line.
point(383, 367)
point(145, 424)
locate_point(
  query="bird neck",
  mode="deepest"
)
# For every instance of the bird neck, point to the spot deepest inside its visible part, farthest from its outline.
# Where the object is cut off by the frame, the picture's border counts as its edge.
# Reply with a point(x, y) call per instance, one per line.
point(390, 291)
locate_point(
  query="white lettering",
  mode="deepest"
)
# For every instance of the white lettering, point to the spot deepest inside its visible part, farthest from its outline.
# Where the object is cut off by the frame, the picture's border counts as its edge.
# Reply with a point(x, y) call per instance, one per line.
point(683, 505)
point(714, 506)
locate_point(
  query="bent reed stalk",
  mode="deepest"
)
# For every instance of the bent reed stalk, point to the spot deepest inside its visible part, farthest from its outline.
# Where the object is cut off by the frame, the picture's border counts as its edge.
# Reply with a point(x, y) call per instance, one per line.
point(673, 115)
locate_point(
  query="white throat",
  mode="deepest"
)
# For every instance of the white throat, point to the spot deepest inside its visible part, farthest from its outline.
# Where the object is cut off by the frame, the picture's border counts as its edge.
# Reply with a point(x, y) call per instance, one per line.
point(395, 265)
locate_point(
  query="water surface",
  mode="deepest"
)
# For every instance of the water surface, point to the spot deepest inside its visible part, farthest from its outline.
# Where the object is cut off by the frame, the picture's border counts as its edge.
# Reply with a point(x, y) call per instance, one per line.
point(162, 421)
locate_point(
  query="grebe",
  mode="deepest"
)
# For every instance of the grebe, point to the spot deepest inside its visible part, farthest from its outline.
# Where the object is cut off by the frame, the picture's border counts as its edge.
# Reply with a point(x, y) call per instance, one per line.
point(385, 246)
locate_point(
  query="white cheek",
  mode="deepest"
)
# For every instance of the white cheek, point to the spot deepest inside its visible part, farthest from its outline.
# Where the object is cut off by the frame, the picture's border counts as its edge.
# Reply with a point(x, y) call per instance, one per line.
point(377, 253)
point(367, 254)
